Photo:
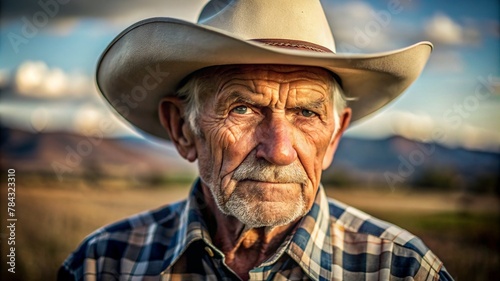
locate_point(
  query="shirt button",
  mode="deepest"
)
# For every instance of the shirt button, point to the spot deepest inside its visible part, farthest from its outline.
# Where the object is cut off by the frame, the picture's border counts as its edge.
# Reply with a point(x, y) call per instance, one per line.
point(209, 251)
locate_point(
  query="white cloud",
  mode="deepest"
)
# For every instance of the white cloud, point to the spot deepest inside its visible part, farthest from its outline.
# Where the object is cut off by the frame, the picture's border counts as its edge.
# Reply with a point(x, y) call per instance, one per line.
point(48, 116)
point(36, 79)
point(55, 82)
point(442, 29)
point(413, 126)
point(40, 118)
point(86, 118)
point(355, 11)
point(376, 126)
point(90, 119)
point(95, 120)
point(478, 139)
point(29, 76)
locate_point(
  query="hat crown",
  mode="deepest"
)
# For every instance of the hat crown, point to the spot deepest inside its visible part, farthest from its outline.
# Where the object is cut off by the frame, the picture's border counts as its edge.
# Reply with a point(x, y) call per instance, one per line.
point(297, 20)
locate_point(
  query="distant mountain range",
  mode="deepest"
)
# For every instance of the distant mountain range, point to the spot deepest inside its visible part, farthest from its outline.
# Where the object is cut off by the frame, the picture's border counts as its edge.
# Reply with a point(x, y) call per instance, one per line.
point(396, 160)
point(65, 155)
point(392, 162)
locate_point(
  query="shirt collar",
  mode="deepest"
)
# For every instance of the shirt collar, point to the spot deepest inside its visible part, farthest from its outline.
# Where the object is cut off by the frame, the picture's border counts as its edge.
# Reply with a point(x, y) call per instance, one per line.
point(310, 245)
point(192, 226)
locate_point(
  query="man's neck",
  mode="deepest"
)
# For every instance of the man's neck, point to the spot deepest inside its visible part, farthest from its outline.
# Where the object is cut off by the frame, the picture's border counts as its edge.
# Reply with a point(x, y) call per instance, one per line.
point(244, 248)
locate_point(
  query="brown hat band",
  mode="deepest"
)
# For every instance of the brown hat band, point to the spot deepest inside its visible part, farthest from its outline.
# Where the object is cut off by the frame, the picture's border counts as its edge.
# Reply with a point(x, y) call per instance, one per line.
point(294, 44)
point(299, 45)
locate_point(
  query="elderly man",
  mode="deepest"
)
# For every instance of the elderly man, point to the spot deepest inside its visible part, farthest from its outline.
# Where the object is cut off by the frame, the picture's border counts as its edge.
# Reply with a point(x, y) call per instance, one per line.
point(255, 93)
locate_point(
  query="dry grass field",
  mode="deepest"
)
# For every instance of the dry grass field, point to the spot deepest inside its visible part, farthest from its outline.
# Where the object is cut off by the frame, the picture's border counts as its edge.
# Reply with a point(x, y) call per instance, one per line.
point(53, 218)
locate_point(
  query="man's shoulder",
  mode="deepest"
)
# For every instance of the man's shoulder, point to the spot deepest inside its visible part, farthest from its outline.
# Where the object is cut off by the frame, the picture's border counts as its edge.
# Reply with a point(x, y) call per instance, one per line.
point(357, 221)
point(149, 222)
point(140, 237)
point(363, 234)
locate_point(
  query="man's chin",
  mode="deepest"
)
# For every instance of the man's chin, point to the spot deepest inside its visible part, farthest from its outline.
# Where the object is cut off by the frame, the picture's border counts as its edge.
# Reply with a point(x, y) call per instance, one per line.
point(267, 192)
point(266, 214)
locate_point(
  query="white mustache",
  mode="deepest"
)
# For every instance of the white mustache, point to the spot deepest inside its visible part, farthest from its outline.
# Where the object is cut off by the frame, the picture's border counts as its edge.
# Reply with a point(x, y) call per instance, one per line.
point(256, 169)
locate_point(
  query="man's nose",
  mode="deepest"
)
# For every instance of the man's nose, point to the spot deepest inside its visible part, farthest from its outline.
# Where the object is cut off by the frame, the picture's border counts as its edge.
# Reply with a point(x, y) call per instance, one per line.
point(276, 141)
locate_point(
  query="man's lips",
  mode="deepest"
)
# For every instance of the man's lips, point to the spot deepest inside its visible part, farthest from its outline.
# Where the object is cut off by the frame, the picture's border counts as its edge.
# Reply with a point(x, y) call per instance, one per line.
point(266, 191)
point(268, 181)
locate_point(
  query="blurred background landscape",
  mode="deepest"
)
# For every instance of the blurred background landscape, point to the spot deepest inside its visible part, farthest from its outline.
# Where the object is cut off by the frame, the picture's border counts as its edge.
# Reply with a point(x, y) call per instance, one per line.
point(429, 162)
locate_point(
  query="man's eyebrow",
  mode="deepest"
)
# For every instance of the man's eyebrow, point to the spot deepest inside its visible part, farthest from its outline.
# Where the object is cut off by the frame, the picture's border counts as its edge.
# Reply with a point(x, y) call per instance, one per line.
point(315, 104)
point(224, 102)
point(238, 97)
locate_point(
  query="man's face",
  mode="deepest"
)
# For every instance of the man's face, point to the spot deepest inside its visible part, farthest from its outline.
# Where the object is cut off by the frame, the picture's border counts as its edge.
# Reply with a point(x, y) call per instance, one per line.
point(264, 133)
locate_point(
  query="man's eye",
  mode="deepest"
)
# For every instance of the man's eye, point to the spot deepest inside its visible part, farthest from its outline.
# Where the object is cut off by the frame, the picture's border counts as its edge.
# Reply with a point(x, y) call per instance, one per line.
point(307, 113)
point(241, 110)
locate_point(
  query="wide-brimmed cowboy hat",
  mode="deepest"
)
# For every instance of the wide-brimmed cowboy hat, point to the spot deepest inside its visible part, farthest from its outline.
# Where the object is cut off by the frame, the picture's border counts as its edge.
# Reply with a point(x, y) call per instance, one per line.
point(148, 60)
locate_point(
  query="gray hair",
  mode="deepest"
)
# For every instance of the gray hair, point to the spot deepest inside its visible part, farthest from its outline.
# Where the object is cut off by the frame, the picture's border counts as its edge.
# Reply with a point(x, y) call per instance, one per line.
point(202, 81)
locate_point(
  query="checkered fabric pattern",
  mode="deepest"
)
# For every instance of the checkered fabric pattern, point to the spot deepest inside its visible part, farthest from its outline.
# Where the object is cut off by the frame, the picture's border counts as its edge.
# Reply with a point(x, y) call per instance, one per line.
point(332, 242)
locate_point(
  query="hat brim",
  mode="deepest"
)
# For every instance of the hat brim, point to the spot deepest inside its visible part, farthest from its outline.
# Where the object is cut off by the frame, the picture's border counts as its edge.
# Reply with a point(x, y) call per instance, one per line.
point(148, 60)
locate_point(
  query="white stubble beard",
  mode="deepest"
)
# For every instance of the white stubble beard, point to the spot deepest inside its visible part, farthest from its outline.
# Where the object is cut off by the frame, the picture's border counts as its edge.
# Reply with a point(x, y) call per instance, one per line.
point(254, 214)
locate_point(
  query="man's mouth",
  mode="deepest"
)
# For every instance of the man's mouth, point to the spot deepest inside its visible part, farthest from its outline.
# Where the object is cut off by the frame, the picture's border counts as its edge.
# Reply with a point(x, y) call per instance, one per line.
point(269, 181)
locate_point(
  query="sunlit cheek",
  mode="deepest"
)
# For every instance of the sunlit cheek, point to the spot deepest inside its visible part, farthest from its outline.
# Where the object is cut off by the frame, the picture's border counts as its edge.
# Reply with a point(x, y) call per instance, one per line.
point(320, 155)
point(220, 140)
point(314, 146)
point(238, 142)
point(217, 143)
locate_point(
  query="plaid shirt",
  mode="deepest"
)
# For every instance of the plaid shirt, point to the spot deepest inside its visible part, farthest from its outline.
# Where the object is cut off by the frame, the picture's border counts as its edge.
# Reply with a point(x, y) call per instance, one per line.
point(332, 242)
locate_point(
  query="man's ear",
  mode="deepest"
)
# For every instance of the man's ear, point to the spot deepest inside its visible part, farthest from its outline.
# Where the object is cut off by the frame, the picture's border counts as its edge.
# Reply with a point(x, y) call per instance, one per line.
point(345, 119)
point(171, 111)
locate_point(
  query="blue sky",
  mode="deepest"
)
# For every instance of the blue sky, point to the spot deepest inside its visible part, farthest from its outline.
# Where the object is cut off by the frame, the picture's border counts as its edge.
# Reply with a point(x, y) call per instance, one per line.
point(48, 82)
